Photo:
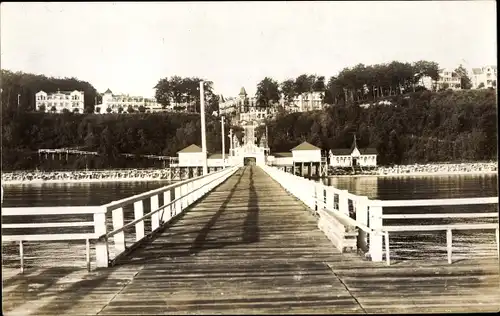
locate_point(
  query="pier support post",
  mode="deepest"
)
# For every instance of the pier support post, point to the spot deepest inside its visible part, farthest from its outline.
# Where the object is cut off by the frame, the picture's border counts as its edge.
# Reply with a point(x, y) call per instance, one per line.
point(178, 205)
point(101, 247)
point(376, 238)
point(343, 202)
point(167, 211)
point(139, 213)
point(362, 218)
point(119, 238)
point(329, 198)
point(155, 218)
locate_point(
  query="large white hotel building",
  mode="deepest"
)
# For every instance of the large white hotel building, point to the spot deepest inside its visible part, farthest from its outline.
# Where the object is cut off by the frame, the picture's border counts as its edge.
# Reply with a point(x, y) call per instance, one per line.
point(57, 102)
point(120, 103)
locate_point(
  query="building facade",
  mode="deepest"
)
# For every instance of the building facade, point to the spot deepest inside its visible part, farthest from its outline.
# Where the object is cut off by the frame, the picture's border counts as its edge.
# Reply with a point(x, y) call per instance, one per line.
point(58, 102)
point(304, 102)
point(121, 103)
point(484, 77)
point(306, 152)
point(353, 157)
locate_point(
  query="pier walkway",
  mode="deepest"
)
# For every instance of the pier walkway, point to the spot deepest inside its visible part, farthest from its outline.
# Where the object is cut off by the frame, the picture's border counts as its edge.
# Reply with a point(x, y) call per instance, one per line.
point(249, 247)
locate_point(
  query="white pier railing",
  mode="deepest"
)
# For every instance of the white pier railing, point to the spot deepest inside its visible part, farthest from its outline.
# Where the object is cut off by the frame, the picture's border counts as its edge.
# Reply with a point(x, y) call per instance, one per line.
point(332, 204)
point(377, 217)
point(63, 212)
point(176, 198)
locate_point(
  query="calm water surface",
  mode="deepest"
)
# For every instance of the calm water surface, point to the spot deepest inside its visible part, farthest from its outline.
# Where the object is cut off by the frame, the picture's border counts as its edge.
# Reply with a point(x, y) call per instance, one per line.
point(74, 194)
point(419, 187)
point(384, 188)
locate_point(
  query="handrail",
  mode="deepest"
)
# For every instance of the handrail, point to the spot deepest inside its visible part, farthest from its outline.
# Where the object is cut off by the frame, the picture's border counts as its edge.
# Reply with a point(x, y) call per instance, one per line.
point(439, 215)
point(61, 210)
point(345, 217)
point(434, 202)
point(145, 195)
point(116, 231)
point(314, 194)
point(187, 188)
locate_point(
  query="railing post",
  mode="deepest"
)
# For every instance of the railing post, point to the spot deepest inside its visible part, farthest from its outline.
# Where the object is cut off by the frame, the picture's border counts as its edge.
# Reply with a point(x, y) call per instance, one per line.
point(376, 237)
point(362, 218)
point(138, 213)
point(178, 204)
point(101, 247)
point(87, 253)
point(329, 198)
point(344, 202)
point(312, 195)
point(167, 210)
point(119, 238)
point(21, 255)
point(155, 218)
point(183, 199)
point(319, 196)
point(190, 192)
point(449, 242)
point(498, 240)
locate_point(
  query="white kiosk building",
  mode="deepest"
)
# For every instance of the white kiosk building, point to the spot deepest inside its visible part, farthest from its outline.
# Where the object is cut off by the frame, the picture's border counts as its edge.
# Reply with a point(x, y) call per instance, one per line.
point(348, 158)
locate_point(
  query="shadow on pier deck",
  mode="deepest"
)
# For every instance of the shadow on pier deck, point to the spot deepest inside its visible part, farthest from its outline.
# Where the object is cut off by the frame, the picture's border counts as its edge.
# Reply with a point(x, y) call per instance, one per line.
point(250, 248)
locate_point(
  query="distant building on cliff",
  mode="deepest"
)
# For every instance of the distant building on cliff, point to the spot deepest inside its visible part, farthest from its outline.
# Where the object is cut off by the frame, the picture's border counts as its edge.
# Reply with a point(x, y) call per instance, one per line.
point(57, 102)
point(120, 103)
point(485, 77)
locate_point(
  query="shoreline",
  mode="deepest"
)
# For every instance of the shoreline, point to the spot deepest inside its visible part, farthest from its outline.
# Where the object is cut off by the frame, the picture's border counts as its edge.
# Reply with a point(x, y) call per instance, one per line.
point(419, 174)
point(73, 181)
point(151, 179)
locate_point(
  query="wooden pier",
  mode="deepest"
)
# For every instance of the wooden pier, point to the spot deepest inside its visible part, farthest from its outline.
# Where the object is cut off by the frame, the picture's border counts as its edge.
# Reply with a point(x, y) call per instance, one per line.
point(250, 247)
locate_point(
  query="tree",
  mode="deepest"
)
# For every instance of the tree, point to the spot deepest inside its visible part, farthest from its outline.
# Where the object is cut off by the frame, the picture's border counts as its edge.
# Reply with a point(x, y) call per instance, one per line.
point(304, 83)
point(163, 92)
point(76, 110)
point(287, 88)
point(120, 110)
point(481, 85)
point(319, 84)
point(267, 92)
point(465, 81)
point(142, 109)
point(53, 109)
point(445, 86)
point(98, 110)
point(130, 109)
point(41, 108)
point(109, 110)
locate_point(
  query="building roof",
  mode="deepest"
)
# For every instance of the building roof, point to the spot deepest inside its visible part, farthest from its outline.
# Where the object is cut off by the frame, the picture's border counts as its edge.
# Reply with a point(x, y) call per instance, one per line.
point(282, 154)
point(191, 149)
point(341, 152)
point(477, 71)
point(305, 146)
point(242, 91)
point(368, 151)
point(217, 156)
point(348, 151)
point(108, 91)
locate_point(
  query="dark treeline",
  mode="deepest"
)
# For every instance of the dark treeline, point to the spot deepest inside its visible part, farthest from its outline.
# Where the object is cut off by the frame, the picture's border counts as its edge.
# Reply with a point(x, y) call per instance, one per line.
point(359, 83)
point(418, 127)
point(24, 86)
point(23, 133)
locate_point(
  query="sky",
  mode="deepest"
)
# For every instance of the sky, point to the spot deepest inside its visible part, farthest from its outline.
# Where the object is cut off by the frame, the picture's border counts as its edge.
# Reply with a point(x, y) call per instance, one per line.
point(128, 46)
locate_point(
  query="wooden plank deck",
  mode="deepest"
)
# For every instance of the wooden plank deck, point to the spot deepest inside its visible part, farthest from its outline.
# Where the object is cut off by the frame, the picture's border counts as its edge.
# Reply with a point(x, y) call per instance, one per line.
point(250, 248)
